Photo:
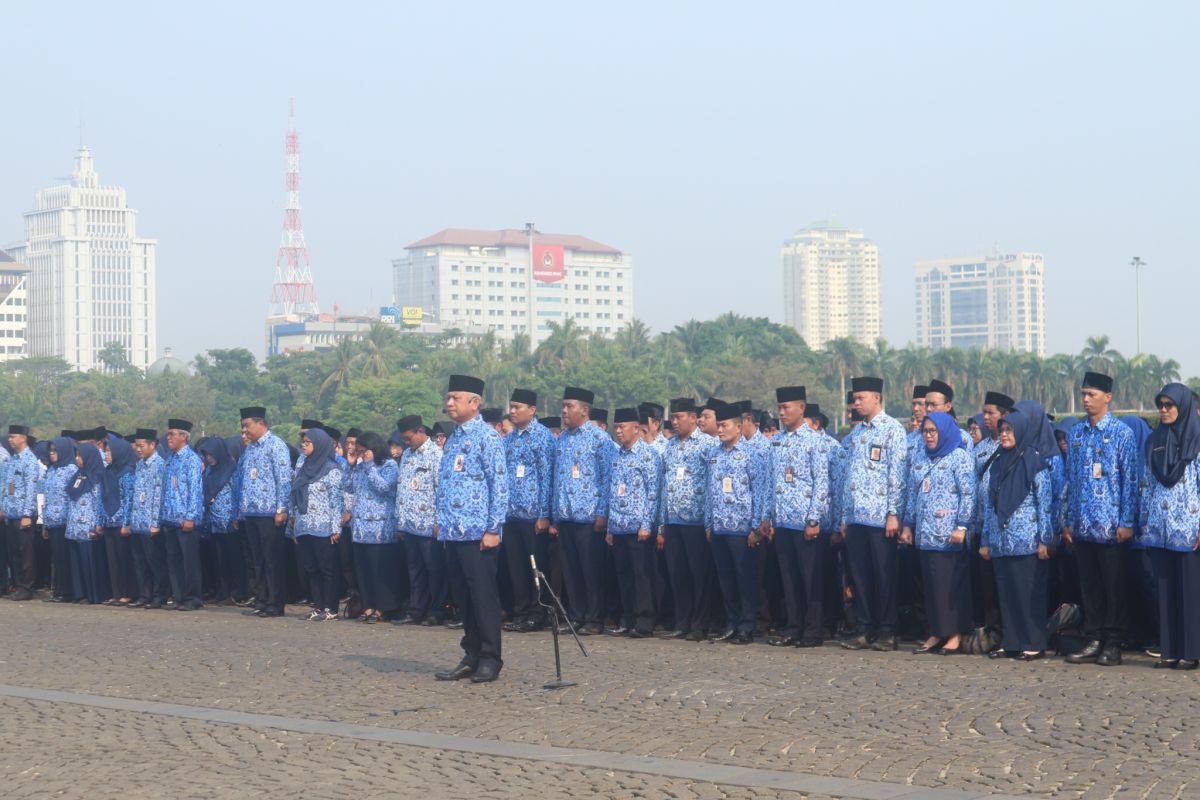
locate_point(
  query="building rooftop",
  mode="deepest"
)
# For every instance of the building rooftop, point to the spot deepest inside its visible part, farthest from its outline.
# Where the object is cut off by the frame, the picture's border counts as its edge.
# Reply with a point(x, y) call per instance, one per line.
point(510, 237)
point(5, 258)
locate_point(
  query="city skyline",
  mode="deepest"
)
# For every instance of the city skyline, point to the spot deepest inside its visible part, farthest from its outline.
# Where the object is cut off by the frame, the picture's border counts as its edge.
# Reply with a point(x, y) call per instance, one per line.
point(694, 165)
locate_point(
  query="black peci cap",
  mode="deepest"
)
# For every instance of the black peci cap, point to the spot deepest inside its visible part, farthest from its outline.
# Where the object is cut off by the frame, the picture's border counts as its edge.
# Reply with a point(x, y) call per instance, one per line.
point(525, 396)
point(409, 423)
point(582, 395)
point(998, 400)
point(941, 387)
point(1097, 380)
point(626, 415)
point(683, 405)
point(788, 394)
point(867, 384)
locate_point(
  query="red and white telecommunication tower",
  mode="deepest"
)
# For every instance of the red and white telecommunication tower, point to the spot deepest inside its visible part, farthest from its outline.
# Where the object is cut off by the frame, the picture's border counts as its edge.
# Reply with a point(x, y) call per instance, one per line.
point(294, 292)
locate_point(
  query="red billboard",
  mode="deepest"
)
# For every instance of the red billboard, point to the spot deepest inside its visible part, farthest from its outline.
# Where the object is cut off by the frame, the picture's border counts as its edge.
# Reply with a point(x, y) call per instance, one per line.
point(548, 263)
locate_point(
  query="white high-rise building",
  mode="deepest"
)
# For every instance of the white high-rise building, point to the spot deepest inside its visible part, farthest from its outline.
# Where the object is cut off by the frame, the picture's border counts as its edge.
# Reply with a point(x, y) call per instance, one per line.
point(831, 285)
point(14, 308)
point(994, 302)
point(91, 276)
point(470, 278)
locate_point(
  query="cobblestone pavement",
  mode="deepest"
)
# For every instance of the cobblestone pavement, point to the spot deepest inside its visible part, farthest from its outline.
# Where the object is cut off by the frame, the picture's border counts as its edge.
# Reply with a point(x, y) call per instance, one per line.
point(964, 723)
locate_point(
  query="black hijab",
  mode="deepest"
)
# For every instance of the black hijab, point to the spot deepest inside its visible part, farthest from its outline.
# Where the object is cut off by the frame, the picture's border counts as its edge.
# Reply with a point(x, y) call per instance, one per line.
point(1172, 447)
point(1012, 471)
point(123, 462)
point(90, 475)
point(65, 448)
point(1045, 441)
point(374, 442)
point(218, 475)
point(315, 467)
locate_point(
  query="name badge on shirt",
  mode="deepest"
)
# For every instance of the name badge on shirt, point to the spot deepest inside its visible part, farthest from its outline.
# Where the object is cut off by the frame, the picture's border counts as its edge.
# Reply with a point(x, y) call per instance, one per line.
point(78, 482)
point(12, 489)
point(925, 486)
point(254, 473)
point(789, 475)
point(142, 498)
point(621, 490)
point(575, 472)
point(460, 462)
point(876, 453)
point(1097, 470)
point(174, 482)
point(680, 472)
point(415, 484)
point(520, 470)
point(727, 485)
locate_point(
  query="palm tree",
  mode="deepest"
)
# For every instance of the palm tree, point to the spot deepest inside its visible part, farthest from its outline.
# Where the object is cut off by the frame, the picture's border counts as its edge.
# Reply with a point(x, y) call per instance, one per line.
point(566, 342)
point(1097, 355)
point(342, 358)
point(377, 356)
point(913, 363)
point(843, 357)
point(691, 336)
point(634, 339)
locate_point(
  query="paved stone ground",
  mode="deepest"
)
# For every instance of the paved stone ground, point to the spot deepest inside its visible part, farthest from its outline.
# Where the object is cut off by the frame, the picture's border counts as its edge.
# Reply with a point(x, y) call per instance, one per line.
point(964, 723)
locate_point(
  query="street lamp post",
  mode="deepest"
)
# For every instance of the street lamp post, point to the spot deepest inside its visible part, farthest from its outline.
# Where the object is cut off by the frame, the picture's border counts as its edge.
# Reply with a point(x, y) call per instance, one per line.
point(1137, 265)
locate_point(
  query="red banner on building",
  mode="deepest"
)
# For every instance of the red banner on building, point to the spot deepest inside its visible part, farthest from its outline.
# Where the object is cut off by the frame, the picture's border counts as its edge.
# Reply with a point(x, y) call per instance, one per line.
point(548, 263)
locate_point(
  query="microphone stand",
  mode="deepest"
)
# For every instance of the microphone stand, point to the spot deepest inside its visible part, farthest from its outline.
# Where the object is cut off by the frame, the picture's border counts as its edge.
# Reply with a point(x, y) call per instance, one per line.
point(540, 582)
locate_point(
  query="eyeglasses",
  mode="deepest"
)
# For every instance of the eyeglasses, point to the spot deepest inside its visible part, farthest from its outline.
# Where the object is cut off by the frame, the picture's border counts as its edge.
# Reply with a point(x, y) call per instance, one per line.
point(1162, 405)
point(929, 433)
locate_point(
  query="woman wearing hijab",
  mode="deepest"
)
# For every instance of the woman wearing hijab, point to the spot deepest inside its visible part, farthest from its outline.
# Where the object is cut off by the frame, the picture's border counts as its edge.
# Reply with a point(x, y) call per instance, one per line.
point(217, 487)
point(316, 512)
point(1171, 509)
point(941, 502)
point(1143, 594)
point(1064, 575)
point(117, 494)
point(378, 557)
point(1013, 512)
point(975, 429)
point(59, 474)
point(85, 510)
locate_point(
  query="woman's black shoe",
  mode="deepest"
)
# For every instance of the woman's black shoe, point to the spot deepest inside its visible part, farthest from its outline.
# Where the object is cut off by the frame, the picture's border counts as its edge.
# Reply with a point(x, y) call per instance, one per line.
point(1187, 665)
point(927, 648)
point(1038, 656)
point(1166, 663)
point(1000, 653)
point(950, 651)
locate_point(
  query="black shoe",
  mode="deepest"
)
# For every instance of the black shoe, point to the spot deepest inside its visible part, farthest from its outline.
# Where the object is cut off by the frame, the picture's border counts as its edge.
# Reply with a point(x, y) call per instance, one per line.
point(138, 604)
point(724, 636)
point(430, 622)
point(591, 629)
point(1110, 657)
point(255, 612)
point(155, 604)
point(928, 648)
point(1038, 656)
point(1087, 655)
point(245, 602)
point(1187, 665)
point(531, 625)
point(1001, 653)
point(511, 627)
point(810, 641)
point(1167, 663)
point(463, 670)
point(619, 631)
point(185, 607)
point(860, 642)
point(884, 644)
point(21, 595)
point(454, 624)
point(641, 634)
point(742, 638)
point(407, 619)
point(486, 673)
point(675, 634)
point(775, 640)
point(696, 635)
point(948, 651)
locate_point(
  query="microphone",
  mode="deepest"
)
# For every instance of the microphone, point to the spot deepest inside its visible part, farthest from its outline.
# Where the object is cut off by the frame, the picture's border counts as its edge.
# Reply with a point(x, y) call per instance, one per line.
point(537, 583)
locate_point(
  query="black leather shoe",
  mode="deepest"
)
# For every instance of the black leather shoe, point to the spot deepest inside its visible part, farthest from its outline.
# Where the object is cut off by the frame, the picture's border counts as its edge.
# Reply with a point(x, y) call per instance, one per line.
point(138, 604)
point(724, 636)
point(673, 634)
point(810, 642)
point(463, 670)
point(741, 638)
point(157, 604)
point(407, 619)
point(619, 631)
point(1087, 655)
point(1110, 657)
point(430, 622)
point(1166, 663)
point(1187, 666)
point(884, 644)
point(950, 651)
point(1038, 656)
point(532, 625)
point(591, 629)
point(859, 642)
point(776, 640)
point(695, 636)
point(928, 648)
point(640, 634)
point(21, 595)
point(486, 673)
point(454, 625)
point(1001, 653)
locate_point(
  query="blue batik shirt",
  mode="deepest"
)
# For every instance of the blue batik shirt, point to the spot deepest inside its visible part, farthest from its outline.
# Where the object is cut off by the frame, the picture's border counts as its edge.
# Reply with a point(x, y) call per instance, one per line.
point(373, 517)
point(685, 479)
point(941, 498)
point(582, 460)
point(1101, 480)
point(633, 489)
point(21, 475)
point(836, 456)
point(416, 498)
point(54, 492)
point(324, 516)
point(530, 457)
point(120, 519)
point(146, 501)
point(799, 466)
point(1171, 517)
point(984, 451)
point(874, 472)
point(183, 490)
point(266, 477)
point(219, 515)
point(1029, 526)
point(738, 497)
point(83, 515)
point(472, 496)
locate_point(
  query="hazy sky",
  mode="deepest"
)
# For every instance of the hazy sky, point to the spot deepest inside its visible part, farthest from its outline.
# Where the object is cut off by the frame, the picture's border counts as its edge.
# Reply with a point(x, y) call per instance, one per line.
point(695, 136)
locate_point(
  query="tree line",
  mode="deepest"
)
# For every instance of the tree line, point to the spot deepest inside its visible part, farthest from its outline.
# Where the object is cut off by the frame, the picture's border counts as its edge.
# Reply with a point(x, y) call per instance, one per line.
point(371, 380)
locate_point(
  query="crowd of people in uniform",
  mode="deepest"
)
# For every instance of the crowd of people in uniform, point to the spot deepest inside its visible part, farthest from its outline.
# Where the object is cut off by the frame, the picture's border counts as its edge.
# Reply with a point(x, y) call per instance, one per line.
point(696, 521)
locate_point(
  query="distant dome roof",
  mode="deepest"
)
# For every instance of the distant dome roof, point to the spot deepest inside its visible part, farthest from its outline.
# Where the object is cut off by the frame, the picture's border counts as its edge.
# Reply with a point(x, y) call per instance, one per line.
point(168, 363)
